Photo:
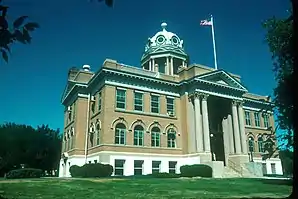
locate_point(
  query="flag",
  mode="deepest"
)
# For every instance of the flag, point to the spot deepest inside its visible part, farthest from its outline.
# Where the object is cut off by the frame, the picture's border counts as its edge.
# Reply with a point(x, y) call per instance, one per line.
point(206, 23)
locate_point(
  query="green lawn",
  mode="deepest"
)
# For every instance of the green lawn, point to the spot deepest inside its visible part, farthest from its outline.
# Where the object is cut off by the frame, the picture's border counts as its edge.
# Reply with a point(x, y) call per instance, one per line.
point(143, 188)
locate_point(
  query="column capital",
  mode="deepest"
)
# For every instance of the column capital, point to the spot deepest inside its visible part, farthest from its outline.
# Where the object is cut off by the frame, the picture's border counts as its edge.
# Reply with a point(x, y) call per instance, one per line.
point(237, 102)
point(201, 95)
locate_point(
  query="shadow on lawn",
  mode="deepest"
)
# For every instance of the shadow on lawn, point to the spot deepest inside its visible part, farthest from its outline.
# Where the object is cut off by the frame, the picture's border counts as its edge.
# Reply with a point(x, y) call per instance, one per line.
point(288, 182)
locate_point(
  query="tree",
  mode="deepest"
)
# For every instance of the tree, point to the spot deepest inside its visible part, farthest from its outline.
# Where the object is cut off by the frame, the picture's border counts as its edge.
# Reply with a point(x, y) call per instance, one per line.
point(18, 32)
point(36, 148)
point(281, 44)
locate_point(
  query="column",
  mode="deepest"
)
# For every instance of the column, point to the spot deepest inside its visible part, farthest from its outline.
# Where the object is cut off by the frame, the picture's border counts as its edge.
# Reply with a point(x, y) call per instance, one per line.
point(236, 128)
point(153, 65)
point(191, 126)
point(167, 67)
point(242, 129)
point(205, 124)
point(150, 65)
point(231, 135)
point(172, 67)
point(198, 123)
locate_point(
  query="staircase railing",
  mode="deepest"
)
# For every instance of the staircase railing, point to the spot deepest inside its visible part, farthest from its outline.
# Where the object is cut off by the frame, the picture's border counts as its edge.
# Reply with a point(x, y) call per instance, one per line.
point(235, 167)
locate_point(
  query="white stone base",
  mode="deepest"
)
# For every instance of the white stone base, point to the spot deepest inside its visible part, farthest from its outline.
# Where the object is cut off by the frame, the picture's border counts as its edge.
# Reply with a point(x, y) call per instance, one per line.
point(268, 162)
point(109, 157)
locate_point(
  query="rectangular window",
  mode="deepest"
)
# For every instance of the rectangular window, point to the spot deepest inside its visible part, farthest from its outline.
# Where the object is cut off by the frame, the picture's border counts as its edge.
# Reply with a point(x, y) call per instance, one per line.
point(156, 166)
point(95, 161)
point(266, 120)
point(170, 106)
point(138, 167)
point(93, 104)
point(138, 101)
point(154, 104)
point(120, 136)
point(264, 168)
point(120, 98)
point(247, 118)
point(155, 139)
point(99, 101)
point(74, 110)
point(257, 119)
point(138, 137)
point(119, 167)
point(172, 166)
point(273, 168)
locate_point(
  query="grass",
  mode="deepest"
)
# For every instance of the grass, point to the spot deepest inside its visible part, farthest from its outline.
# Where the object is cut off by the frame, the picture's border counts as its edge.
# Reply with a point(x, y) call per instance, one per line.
point(143, 188)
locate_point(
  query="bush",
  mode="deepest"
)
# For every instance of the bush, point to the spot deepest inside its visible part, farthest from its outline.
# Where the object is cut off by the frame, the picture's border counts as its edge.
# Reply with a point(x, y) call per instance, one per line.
point(165, 175)
point(24, 173)
point(196, 170)
point(91, 170)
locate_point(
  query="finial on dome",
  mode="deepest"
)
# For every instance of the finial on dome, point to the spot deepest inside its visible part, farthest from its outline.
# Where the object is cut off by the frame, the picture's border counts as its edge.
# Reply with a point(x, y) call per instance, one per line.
point(164, 25)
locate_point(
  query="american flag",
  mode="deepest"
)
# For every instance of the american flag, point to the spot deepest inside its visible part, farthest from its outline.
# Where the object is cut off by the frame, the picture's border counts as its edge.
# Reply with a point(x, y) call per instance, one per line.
point(206, 23)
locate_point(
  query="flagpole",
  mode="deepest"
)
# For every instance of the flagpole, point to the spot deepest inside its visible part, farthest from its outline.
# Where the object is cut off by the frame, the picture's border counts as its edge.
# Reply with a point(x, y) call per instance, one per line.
point(213, 40)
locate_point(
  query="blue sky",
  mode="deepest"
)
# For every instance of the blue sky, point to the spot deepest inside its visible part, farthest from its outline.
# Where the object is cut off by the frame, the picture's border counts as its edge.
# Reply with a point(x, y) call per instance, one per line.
point(77, 32)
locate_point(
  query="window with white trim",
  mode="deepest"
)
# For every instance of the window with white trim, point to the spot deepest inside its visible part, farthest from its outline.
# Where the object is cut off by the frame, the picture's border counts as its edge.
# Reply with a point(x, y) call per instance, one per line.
point(170, 106)
point(172, 166)
point(156, 166)
point(97, 130)
point(99, 101)
point(247, 118)
point(138, 138)
point(155, 137)
point(138, 167)
point(266, 120)
point(154, 103)
point(257, 119)
point(261, 144)
point(120, 133)
point(171, 136)
point(120, 98)
point(119, 167)
point(138, 101)
point(273, 168)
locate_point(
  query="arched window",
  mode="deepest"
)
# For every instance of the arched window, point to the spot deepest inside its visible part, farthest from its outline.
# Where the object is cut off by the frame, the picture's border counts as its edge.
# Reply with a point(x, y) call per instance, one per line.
point(120, 133)
point(69, 140)
point(171, 138)
point(138, 135)
point(261, 144)
point(155, 137)
point(97, 129)
point(251, 144)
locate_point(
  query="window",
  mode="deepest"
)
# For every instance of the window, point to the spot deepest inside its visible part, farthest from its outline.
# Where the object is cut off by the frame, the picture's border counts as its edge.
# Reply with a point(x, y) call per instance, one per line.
point(99, 101)
point(247, 118)
point(156, 166)
point(266, 120)
point(257, 119)
point(251, 144)
point(89, 162)
point(93, 105)
point(261, 144)
point(119, 167)
point(155, 137)
point(138, 101)
point(154, 104)
point(138, 167)
point(273, 168)
point(264, 168)
point(74, 111)
point(97, 134)
point(72, 138)
point(120, 98)
point(138, 136)
point(95, 161)
point(171, 138)
point(120, 132)
point(69, 140)
point(172, 166)
point(170, 106)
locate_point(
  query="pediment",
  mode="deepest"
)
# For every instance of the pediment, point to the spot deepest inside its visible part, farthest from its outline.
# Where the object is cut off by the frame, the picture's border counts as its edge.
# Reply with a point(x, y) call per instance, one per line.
point(223, 78)
point(67, 88)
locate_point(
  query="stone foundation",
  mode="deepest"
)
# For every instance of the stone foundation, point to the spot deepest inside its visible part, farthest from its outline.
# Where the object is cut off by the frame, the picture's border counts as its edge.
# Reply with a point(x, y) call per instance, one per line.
point(217, 168)
point(205, 157)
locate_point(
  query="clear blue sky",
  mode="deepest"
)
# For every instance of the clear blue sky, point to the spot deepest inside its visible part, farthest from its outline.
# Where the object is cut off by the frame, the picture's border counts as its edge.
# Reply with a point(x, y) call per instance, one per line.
point(77, 32)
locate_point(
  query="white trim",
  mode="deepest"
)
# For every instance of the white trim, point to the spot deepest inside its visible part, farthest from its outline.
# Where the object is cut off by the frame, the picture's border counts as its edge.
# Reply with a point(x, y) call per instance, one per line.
point(82, 95)
point(119, 88)
point(227, 86)
point(138, 91)
point(220, 95)
point(247, 108)
point(257, 101)
point(170, 97)
point(141, 88)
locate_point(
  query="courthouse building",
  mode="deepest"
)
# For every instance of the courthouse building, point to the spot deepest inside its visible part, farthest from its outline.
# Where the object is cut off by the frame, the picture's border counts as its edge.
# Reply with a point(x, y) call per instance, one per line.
point(162, 115)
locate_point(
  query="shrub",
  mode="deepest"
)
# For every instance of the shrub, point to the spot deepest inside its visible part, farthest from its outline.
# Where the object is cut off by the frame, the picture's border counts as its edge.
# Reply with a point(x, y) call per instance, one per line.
point(165, 175)
point(91, 170)
point(24, 173)
point(196, 170)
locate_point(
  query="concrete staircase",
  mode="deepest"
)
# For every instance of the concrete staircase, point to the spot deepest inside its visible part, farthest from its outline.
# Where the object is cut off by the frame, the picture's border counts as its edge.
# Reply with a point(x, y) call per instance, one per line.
point(230, 173)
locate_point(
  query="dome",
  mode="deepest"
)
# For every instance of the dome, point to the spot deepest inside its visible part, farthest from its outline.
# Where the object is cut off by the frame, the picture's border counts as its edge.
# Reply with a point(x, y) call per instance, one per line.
point(164, 38)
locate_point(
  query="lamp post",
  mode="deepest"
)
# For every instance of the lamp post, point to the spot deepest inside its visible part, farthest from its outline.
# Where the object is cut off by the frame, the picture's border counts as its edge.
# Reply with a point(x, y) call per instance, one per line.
point(251, 148)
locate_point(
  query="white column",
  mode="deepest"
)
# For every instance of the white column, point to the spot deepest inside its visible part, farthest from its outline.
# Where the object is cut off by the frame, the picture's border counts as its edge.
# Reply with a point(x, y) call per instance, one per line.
point(231, 135)
point(242, 129)
point(150, 65)
point(198, 123)
point(153, 65)
point(205, 124)
point(225, 128)
point(167, 69)
point(236, 128)
point(191, 126)
point(172, 66)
